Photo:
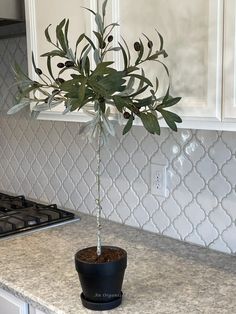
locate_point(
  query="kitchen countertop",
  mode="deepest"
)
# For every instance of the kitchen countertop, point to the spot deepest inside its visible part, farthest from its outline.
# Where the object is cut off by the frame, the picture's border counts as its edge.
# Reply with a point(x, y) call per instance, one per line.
point(163, 275)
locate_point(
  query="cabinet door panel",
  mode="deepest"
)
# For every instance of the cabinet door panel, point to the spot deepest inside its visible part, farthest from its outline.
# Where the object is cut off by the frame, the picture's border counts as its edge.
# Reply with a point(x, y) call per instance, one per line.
point(35, 311)
point(192, 32)
point(229, 87)
point(39, 15)
point(11, 305)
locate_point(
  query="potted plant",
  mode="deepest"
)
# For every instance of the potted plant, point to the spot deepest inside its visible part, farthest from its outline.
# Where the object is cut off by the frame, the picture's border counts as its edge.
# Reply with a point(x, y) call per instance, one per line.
point(129, 91)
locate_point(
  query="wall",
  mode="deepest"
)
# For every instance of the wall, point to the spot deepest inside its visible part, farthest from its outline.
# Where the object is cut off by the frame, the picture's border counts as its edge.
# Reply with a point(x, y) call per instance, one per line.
point(49, 161)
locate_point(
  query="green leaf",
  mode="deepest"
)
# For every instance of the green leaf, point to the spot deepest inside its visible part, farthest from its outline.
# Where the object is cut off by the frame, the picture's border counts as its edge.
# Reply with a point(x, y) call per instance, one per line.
point(98, 89)
point(72, 85)
point(157, 54)
point(150, 48)
point(141, 51)
point(66, 32)
point(91, 11)
point(142, 78)
point(54, 53)
point(145, 102)
point(127, 50)
point(87, 66)
point(18, 107)
point(104, 8)
point(84, 58)
point(82, 90)
point(60, 35)
point(96, 56)
point(47, 34)
point(170, 119)
point(128, 125)
point(99, 38)
point(125, 57)
point(33, 62)
point(112, 25)
point(167, 95)
point(114, 49)
point(120, 102)
point(113, 82)
point(170, 102)
point(161, 39)
point(25, 92)
point(21, 76)
point(81, 37)
point(90, 41)
point(49, 66)
point(174, 116)
point(150, 122)
point(130, 83)
point(46, 106)
point(141, 83)
point(131, 69)
point(103, 68)
point(77, 104)
point(98, 20)
point(139, 91)
point(157, 85)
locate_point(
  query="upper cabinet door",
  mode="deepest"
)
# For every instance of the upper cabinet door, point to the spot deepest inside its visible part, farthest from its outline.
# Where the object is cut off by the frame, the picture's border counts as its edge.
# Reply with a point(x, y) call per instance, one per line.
point(192, 32)
point(229, 87)
point(39, 15)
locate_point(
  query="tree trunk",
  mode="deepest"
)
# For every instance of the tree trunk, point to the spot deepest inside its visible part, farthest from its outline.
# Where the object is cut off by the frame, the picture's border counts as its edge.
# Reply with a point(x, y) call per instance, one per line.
point(98, 180)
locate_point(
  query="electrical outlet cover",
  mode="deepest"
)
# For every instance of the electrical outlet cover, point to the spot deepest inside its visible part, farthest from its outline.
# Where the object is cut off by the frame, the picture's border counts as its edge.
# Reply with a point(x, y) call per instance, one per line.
point(158, 179)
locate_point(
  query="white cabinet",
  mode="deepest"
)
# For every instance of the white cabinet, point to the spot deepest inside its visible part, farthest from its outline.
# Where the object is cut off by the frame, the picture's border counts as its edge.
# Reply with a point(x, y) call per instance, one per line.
point(39, 15)
point(32, 310)
point(192, 32)
point(199, 37)
point(229, 96)
point(9, 304)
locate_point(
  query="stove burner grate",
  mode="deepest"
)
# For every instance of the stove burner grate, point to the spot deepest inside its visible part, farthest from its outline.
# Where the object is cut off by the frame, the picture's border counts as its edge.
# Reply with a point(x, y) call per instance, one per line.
point(17, 214)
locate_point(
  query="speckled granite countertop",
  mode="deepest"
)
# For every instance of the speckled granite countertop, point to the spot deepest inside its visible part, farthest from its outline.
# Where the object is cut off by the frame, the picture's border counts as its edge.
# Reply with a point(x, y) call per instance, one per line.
point(163, 275)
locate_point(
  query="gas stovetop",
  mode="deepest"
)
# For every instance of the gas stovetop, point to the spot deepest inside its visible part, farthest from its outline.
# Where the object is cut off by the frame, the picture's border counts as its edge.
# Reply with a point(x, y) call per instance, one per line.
point(17, 215)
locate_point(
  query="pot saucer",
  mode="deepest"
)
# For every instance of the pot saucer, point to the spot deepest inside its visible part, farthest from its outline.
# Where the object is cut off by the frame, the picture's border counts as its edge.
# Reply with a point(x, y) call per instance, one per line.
point(96, 306)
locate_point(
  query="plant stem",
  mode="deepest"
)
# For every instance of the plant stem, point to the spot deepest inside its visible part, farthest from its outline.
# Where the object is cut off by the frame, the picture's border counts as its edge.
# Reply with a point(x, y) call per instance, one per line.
point(98, 179)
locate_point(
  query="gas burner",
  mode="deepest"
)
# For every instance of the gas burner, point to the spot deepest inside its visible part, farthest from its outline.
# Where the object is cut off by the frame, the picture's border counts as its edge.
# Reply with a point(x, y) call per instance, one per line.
point(17, 214)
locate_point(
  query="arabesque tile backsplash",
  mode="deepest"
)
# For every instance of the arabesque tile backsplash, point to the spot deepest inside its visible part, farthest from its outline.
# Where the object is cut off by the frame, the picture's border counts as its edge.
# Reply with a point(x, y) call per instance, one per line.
point(49, 161)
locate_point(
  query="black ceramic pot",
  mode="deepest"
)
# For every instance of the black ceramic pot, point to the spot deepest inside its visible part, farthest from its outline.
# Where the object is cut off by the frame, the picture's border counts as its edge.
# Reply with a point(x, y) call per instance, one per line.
point(101, 282)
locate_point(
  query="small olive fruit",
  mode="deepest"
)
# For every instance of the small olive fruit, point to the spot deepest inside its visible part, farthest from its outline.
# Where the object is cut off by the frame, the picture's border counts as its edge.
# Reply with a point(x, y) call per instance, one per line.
point(38, 71)
point(102, 45)
point(60, 80)
point(137, 46)
point(126, 115)
point(150, 44)
point(60, 65)
point(110, 38)
point(69, 64)
point(55, 91)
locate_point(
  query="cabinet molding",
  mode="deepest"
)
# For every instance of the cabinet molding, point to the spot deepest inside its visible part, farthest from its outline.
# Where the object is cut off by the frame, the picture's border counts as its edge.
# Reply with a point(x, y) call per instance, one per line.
point(9, 304)
point(229, 86)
